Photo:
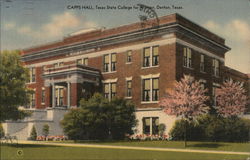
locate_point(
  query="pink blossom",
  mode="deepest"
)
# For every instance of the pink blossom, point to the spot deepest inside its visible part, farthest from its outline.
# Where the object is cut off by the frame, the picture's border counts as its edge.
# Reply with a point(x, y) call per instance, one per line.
point(186, 99)
point(231, 99)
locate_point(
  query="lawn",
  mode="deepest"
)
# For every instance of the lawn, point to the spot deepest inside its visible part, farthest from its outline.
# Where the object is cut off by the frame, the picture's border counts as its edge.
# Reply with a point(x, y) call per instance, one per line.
point(47, 152)
point(240, 147)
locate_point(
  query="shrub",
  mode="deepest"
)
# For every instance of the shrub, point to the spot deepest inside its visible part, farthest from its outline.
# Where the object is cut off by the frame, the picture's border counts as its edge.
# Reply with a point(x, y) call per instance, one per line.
point(193, 131)
point(33, 134)
point(45, 130)
point(161, 128)
point(99, 119)
point(214, 128)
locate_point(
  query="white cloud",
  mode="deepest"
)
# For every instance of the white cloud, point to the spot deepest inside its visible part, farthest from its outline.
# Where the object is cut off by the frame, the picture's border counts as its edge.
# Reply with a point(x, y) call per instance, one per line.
point(59, 23)
point(24, 30)
point(57, 27)
point(9, 25)
point(237, 35)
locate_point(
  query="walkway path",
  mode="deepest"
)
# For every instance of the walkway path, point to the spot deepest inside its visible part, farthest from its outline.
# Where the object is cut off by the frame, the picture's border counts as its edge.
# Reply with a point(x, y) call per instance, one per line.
point(133, 148)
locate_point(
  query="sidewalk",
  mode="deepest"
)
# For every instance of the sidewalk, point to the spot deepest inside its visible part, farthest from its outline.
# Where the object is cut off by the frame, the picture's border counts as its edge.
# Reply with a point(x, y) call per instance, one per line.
point(133, 148)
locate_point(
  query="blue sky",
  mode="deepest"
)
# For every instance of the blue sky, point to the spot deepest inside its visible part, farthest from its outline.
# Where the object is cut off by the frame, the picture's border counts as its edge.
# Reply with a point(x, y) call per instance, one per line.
point(26, 23)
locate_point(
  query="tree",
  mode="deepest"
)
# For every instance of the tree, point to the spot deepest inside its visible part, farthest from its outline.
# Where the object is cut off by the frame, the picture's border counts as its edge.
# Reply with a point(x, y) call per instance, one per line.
point(13, 91)
point(186, 100)
point(45, 130)
point(2, 134)
point(33, 133)
point(231, 99)
point(99, 119)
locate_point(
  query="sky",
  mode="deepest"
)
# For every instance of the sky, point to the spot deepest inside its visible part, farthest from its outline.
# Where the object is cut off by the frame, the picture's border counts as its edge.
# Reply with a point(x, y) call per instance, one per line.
point(27, 23)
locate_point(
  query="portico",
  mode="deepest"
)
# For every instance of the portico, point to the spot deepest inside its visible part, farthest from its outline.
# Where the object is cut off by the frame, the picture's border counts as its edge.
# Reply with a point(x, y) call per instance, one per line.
point(66, 85)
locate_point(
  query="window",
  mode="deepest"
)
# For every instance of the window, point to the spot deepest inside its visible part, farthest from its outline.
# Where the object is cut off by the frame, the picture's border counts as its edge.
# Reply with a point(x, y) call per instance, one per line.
point(82, 61)
point(129, 56)
point(216, 71)
point(33, 100)
point(106, 63)
point(113, 61)
point(187, 58)
point(215, 86)
point(155, 89)
point(109, 90)
point(150, 89)
point(56, 65)
point(59, 96)
point(155, 55)
point(109, 62)
point(79, 61)
point(202, 63)
point(155, 125)
point(146, 125)
point(113, 90)
point(129, 89)
point(146, 90)
point(85, 61)
point(43, 96)
point(146, 57)
point(32, 75)
point(60, 64)
point(150, 125)
point(151, 56)
point(203, 83)
point(106, 90)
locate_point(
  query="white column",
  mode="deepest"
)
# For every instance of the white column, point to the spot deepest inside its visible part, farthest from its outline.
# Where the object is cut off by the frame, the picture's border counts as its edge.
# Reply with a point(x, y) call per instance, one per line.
point(53, 95)
point(68, 94)
point(151, 125)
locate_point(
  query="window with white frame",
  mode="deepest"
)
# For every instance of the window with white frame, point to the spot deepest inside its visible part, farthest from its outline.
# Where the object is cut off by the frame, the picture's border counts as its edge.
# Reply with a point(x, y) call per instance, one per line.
point(113, 62)
point(106, 64)
point(202, 63)
point(33, 100)
point(187, 57)
point(32, 75)
point(150, 89)
point(155, 55)
point(43, 96)
point(110, 90)
point(59, 96)
point(214, 87)
point(150, 125)
point(216, 71)
point(79, 61)
point(129, 88)
point(109, 62)
point(60, 64)
point(129, 56)
point(43, 69)
point(151, 56)
point(203, 83)
point(83, 61)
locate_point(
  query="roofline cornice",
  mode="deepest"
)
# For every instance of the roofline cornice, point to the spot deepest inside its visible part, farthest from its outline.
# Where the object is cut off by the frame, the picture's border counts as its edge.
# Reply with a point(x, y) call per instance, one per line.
point(121, 38)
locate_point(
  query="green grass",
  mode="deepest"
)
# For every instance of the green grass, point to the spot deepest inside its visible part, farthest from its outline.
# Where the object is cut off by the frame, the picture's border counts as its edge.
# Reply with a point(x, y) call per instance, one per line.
point(240, 147)
point(46, 152)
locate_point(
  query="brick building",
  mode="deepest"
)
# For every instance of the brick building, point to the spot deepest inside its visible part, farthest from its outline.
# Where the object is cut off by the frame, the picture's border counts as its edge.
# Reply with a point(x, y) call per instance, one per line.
point(135, 62)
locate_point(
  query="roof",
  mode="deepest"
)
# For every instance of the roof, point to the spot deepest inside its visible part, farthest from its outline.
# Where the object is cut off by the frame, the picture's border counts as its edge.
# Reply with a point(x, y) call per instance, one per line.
point(104, 33)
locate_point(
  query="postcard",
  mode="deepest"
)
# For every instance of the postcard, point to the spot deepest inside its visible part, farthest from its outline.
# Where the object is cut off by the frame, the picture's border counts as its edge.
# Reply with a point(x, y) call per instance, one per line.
point(125, 79)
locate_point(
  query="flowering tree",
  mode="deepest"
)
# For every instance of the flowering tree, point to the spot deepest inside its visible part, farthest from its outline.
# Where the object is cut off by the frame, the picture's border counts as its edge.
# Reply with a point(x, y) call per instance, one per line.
point(186, 100)
point(231, 99)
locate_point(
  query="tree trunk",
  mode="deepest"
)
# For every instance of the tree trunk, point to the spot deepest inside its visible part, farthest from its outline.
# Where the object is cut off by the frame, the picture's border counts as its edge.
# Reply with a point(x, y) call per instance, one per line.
point(185, 134)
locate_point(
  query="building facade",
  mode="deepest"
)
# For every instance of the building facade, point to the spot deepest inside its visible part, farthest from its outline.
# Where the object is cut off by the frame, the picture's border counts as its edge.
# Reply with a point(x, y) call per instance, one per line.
point(133, 62)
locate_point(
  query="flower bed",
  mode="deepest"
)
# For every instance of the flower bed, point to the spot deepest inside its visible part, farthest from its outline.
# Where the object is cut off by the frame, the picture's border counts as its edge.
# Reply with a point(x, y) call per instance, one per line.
point(148, 137)
point(52, 138)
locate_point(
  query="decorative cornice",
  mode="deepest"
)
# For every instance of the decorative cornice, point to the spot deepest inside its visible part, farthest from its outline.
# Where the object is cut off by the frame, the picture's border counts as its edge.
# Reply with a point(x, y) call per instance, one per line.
point(126, 37)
